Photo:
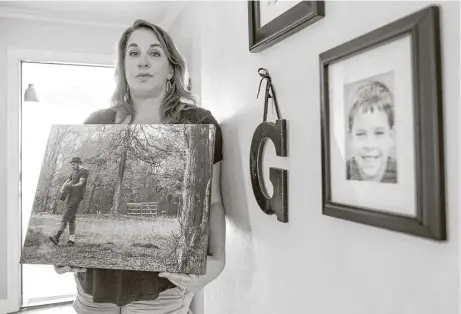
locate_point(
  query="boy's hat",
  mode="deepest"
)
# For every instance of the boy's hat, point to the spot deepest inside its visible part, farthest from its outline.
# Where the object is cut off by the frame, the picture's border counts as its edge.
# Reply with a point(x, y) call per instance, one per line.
point(76, 159)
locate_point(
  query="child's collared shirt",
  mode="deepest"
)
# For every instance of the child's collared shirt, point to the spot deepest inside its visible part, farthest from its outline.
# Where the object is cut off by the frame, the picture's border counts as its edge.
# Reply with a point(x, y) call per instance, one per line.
point(390, 174)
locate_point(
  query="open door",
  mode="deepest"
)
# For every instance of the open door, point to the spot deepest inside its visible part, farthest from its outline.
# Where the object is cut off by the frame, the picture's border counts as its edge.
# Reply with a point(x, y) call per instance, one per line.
point(69, 87)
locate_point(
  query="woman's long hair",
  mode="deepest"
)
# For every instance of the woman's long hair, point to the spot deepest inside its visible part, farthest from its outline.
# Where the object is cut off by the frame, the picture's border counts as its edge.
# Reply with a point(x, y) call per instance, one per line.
point(177, 99)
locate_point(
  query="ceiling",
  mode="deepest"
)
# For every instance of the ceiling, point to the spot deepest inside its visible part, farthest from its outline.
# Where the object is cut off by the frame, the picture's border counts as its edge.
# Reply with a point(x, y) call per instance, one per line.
point(103, 13)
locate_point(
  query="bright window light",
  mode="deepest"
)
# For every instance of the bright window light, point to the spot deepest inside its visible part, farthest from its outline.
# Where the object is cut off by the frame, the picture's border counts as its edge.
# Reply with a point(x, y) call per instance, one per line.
point(68, 94)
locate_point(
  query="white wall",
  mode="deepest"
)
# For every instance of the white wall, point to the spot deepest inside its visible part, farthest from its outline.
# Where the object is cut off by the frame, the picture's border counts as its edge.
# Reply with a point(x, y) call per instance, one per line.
point(37, 35)
point(315, 263)
point(186, 32)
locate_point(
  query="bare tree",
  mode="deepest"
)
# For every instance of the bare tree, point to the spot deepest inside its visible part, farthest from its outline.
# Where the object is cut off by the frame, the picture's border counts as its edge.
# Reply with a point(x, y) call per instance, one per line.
point(196, 170)
point(125, 146)
point(50, 163)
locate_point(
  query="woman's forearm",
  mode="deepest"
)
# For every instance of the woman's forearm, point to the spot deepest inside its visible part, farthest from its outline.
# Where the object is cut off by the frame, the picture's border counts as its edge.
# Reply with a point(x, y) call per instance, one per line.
point(217, 237)
point(216, 259)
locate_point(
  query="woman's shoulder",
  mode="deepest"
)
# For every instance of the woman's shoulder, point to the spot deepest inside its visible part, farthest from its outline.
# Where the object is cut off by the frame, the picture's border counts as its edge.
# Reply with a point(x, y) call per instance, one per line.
point(200, 115)
point(103, 116)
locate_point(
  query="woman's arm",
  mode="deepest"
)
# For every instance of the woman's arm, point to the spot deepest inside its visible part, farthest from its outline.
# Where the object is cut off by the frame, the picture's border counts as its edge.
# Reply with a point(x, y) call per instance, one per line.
point(217, 239)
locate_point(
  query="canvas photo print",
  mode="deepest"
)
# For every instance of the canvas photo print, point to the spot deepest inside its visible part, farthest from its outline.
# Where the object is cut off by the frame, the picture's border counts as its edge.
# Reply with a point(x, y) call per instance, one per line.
point(370, 133)
point(129, 197)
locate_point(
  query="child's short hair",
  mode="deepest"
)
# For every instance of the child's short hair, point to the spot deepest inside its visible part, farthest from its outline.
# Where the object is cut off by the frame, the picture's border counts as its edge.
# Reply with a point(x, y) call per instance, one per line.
point(372, 96)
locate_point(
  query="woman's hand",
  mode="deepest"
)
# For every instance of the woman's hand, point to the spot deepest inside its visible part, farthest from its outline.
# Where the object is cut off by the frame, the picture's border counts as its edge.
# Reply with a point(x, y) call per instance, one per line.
point(195, 283)
point(68, 269)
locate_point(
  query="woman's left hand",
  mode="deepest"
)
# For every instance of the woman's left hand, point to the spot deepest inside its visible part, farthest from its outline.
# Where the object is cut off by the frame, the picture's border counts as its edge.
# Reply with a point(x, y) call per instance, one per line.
point(195, 283)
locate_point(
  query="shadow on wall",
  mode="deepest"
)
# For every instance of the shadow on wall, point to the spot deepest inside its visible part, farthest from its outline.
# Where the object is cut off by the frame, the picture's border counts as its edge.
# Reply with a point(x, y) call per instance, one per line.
point(237, 194)
point(233, 183)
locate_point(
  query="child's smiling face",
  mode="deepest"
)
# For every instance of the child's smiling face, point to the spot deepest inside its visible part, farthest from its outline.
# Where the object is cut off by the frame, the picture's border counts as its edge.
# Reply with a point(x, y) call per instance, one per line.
point(371, 140)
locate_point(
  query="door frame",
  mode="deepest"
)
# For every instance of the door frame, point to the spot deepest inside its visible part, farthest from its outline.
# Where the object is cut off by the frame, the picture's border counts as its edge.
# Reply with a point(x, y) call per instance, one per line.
point(15, 56)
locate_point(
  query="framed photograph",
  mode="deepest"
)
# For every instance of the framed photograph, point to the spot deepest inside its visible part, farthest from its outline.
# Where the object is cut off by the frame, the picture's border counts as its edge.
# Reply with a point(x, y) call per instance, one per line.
point(270, 21)
point(382, 124)
point(128, 197)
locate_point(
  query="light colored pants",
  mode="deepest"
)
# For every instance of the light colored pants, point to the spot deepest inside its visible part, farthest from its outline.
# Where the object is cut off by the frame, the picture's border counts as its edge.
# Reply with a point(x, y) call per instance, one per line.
point(171, 301)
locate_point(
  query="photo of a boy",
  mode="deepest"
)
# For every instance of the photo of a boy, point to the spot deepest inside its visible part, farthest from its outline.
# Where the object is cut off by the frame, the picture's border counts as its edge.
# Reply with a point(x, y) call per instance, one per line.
point(370, 129)
point(74, 189)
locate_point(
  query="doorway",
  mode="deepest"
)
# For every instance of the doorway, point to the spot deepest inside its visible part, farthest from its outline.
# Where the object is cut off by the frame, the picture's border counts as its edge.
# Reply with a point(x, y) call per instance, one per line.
point(67, 94)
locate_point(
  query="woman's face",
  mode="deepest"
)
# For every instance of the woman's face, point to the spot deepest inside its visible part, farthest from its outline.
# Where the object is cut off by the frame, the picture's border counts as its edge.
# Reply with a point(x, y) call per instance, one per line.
point(146, 65)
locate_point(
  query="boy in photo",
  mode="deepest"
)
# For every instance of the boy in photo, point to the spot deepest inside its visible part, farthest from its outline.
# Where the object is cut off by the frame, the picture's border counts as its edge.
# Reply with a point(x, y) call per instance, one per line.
point(74, 187)
point(371, 131)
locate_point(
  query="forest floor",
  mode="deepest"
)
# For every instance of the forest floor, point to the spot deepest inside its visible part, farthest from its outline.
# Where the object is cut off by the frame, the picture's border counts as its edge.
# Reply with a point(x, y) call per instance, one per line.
point(104, 241)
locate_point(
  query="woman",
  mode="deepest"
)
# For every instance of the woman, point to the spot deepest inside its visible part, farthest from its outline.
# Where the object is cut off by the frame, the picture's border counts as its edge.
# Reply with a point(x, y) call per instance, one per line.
point(151, 89)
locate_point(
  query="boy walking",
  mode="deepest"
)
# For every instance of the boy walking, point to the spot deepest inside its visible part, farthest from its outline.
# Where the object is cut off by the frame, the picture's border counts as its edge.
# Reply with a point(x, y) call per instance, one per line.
point(75, 186)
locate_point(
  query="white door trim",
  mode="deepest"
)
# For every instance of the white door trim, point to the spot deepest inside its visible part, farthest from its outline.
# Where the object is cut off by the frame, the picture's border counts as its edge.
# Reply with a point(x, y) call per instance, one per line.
point(13, 127)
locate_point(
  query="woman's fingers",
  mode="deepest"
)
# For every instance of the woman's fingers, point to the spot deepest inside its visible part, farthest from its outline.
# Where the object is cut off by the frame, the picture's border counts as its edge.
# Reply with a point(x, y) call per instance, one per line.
point(66, 269)
point(175, 276)
point(177, 279)
point(190, 281)
point(61, 269)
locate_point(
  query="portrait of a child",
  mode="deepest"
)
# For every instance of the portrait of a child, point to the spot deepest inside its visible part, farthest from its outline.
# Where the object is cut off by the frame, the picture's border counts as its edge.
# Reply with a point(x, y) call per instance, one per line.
point(370, 131)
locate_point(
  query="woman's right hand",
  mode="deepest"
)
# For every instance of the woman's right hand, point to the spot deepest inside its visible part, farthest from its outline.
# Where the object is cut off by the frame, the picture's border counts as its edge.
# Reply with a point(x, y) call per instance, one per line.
point(67, 269)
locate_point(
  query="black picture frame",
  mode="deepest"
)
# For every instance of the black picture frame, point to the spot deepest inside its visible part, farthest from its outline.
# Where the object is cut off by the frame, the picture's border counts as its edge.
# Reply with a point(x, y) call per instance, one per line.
point(293, 20)
point(430, 221)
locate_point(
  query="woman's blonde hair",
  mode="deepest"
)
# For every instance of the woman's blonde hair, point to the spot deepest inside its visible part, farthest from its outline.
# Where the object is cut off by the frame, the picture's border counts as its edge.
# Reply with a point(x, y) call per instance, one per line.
point(177, 99)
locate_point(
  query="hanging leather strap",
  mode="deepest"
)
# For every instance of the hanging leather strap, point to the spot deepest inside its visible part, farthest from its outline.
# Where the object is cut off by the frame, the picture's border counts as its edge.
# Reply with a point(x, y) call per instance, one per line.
point(270, 92)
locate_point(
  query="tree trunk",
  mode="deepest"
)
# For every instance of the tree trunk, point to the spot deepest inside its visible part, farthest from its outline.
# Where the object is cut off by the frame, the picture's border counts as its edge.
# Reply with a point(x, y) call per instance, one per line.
point(121, 172)
point(91, 209)
point(202, 171)
point(118, 188)
point(192, 178)
point(52, 181)
point(51, 159)
point(45, 201)
point(54, 208)
point(51, 184)
point(201, 218)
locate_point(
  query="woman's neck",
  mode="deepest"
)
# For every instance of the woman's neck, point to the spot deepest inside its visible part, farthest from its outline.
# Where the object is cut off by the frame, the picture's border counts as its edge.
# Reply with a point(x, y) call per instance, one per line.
point(147, 109)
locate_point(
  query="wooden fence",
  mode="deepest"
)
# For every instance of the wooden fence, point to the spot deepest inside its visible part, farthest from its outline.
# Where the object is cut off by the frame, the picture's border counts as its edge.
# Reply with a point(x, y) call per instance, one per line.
point(143, 209)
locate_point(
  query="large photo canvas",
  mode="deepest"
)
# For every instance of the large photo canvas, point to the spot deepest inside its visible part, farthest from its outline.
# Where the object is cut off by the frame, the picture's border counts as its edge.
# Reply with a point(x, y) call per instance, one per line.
point(132, 197)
